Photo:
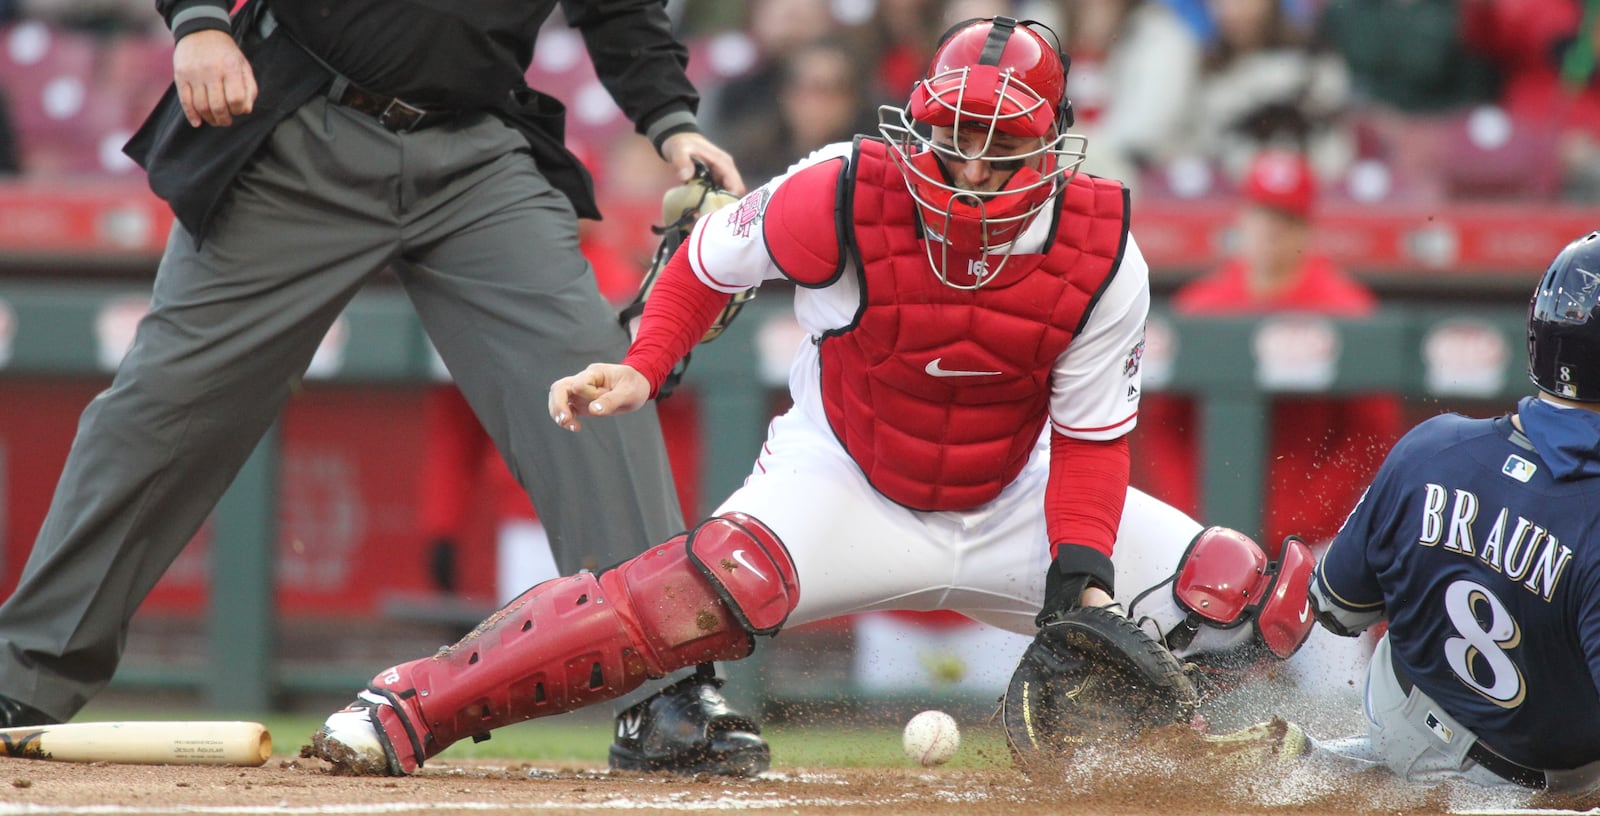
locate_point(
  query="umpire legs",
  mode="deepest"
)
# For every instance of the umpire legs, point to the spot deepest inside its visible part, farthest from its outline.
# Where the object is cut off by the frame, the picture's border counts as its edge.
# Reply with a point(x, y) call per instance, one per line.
point(209, 369)
point(232, 324)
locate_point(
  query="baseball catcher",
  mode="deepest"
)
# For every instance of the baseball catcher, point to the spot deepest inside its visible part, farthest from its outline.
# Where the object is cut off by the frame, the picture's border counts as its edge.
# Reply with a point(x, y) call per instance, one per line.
point(681, 208)
point(975, 312)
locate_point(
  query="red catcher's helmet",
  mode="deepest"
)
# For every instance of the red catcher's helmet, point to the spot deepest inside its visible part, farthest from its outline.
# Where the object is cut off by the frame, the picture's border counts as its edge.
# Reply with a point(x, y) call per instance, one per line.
point(988, 76)
point(993, 70)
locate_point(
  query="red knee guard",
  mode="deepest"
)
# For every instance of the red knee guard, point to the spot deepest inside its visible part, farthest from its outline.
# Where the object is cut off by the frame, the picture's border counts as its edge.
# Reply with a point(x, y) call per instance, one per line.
point(571, 642)
point(1224, 580)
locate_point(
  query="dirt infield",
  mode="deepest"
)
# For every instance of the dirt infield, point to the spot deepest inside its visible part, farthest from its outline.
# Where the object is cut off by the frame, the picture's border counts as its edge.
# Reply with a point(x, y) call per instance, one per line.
point(1136, 785)
point(302, 787)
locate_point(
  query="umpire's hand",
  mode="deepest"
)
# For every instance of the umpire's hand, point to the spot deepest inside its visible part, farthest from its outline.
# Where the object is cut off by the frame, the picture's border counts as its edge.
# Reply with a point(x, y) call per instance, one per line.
point(682, 149)
point(602, 389)
point(214, 80)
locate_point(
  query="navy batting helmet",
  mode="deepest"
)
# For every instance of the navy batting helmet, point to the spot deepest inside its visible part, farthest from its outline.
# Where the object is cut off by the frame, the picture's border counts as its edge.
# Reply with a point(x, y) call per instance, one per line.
point(1564, 324)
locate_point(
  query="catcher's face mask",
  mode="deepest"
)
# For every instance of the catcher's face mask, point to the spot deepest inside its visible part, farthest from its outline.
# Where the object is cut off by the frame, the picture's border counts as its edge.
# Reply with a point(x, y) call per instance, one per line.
point(1225, 580)
point(994, 93)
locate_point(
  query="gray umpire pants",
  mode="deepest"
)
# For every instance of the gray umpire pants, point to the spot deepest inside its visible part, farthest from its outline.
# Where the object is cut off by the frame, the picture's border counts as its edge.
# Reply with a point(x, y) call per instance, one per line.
point(486, 250)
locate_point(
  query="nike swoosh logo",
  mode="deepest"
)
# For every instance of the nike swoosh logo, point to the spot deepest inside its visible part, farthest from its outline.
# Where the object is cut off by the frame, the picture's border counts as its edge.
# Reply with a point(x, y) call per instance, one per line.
point(738, 555)
point(1305, 612)
point(934, 370)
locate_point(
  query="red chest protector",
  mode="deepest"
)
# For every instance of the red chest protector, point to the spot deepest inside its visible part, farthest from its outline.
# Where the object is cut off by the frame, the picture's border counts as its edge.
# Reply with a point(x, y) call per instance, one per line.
point(939, 394)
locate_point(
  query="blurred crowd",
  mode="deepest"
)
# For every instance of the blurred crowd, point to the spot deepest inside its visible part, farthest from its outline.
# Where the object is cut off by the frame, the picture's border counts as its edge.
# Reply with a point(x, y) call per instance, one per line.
point(1392, 100)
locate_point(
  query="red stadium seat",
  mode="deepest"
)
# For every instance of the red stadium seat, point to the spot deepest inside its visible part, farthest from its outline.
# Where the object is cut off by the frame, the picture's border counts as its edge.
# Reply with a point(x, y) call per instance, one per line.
point(76, 99)
point(1489, 154)
point(48, 76)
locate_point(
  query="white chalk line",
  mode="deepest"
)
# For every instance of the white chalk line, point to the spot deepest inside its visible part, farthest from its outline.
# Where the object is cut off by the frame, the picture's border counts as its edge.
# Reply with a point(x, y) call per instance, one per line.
point(1528, 812)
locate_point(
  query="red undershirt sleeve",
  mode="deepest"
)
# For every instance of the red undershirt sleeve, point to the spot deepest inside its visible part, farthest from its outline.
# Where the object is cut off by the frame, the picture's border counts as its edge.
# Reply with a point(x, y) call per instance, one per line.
point(1085, 492)
point(676, 315)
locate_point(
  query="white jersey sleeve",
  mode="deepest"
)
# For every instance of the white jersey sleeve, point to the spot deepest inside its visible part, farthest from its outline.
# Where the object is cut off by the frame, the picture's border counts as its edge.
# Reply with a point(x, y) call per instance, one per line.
point(728, 249)
point(1094, 389)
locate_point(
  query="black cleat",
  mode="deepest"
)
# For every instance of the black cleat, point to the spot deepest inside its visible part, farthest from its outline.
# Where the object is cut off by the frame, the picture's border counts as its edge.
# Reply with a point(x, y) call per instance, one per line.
point(688, 729)
point(17, 715)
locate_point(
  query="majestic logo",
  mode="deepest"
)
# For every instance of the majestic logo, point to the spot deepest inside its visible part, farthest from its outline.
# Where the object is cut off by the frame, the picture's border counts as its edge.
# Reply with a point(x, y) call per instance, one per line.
point(1133, 393)
point(1518, 468)
point(1439, 729)
point(738, 555)
point(936, 370)
point(748, 213)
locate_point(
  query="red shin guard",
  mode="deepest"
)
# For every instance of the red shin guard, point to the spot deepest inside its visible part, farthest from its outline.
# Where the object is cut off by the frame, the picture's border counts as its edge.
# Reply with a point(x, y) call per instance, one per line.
point(571, 642)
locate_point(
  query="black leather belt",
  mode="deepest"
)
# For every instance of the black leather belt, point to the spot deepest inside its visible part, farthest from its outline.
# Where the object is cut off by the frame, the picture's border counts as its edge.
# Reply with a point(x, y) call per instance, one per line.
point(1482, 754)
point(395, 115)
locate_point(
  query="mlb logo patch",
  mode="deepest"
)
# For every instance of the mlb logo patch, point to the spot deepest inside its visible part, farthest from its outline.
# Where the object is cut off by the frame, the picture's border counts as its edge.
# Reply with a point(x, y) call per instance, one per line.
point(1518, 468)
point(1438, 728)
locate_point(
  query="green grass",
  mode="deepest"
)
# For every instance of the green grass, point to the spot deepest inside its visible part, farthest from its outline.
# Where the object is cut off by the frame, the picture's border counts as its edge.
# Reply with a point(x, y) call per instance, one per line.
point(793, 745)
point(585, 738)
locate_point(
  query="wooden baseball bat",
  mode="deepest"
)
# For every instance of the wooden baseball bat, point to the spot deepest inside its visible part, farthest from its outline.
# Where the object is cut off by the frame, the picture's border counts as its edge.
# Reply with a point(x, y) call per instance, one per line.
point(143, 743)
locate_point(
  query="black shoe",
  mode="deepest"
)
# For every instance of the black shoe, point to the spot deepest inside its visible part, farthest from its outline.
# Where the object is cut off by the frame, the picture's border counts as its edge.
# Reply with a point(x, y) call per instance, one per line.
point(687, 728)
point(17, 715)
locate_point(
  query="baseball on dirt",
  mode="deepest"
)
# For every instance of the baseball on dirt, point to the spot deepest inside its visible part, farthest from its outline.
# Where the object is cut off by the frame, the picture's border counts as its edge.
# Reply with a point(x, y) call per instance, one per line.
point(931, 738)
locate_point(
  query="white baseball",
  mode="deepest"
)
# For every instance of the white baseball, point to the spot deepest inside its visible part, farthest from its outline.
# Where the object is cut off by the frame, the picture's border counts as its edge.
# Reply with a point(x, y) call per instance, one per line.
point(931, 738)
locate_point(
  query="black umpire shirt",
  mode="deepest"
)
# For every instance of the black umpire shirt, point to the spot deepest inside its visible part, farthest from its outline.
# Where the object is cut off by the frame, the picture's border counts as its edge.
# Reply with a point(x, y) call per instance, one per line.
point(457, 55)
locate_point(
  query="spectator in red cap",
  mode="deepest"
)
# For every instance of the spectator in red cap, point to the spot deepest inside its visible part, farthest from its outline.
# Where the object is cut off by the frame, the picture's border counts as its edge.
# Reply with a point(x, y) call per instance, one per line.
point(1322, 450)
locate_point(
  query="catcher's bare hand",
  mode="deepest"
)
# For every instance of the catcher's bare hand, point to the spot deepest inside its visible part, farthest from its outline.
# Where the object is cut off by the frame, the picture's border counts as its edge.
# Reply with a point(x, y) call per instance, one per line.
point(602, 389)
point(214, 80)
point(681, 149)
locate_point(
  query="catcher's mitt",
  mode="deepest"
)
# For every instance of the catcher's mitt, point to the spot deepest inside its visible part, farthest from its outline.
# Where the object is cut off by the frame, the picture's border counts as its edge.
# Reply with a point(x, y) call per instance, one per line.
point(1091, 674)
point(681, 207)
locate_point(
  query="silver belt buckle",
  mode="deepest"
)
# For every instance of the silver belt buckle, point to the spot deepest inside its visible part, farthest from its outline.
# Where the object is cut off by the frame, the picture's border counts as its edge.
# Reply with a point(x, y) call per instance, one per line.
point(399, 117)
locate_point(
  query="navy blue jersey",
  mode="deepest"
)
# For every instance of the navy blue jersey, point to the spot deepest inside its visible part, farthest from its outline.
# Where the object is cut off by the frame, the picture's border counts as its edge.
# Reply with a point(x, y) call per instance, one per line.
point(1487, 566)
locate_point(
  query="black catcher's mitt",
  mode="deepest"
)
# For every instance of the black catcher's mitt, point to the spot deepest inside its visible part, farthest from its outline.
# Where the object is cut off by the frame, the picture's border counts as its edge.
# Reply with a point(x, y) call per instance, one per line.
point(681, 208)
point(1091, 674)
